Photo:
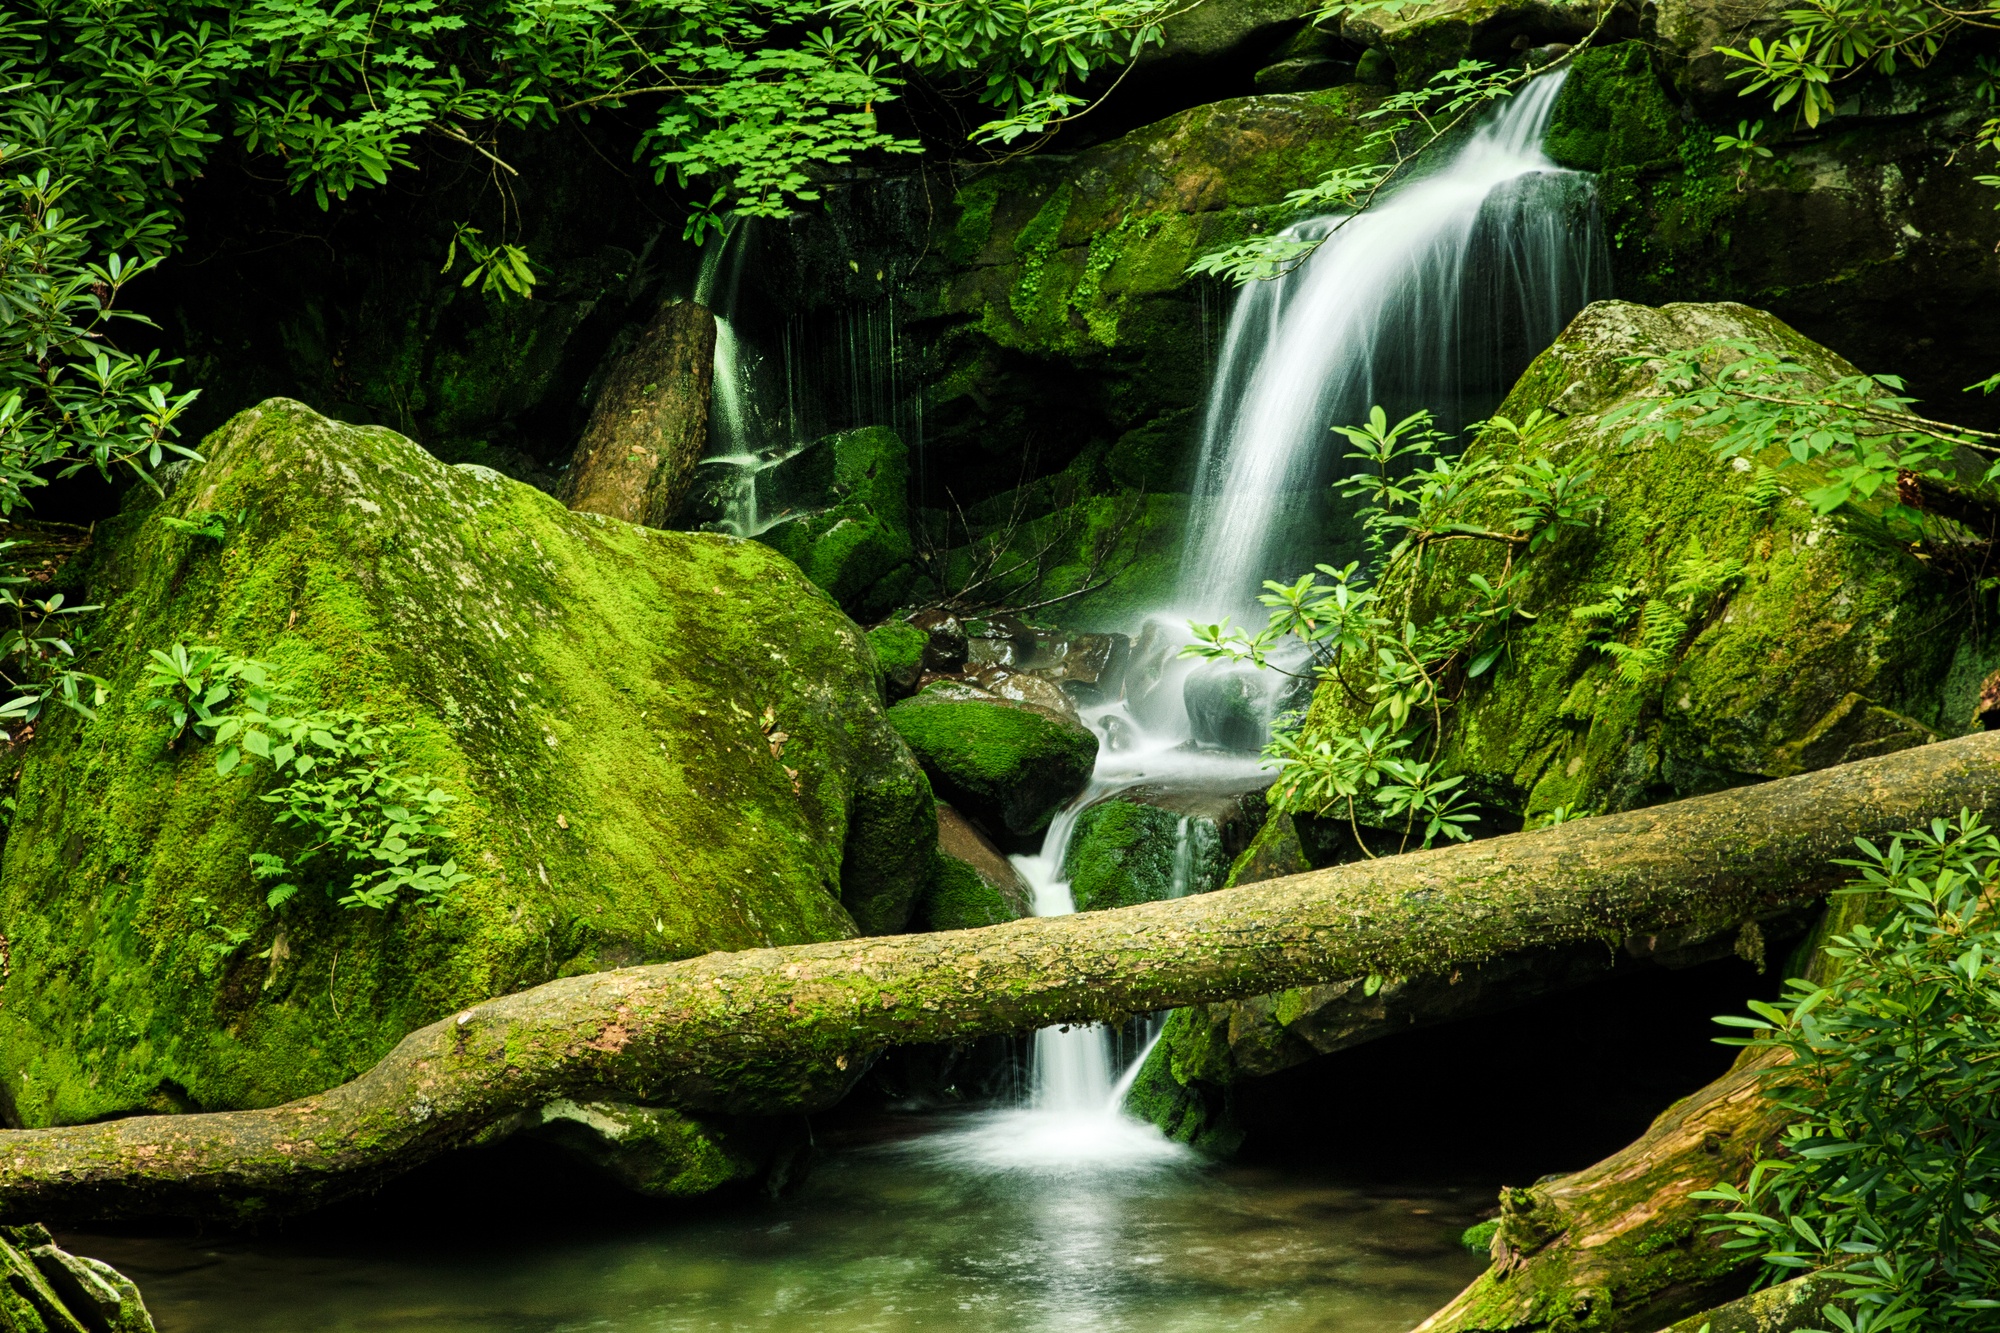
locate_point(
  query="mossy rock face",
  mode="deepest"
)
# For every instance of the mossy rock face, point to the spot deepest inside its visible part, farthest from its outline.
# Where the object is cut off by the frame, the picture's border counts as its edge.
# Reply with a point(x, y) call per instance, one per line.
point(1008, 766)
point(1833, 643)
point(45, 1289)
point(605, 702)
point(1125, 852)
point(851, 534)
point(1613, 113)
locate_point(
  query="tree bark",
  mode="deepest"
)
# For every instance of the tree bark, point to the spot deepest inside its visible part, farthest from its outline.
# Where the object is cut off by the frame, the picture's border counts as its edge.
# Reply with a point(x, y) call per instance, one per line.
point(763, 1029)
point(649, 426)
point(1785, 1308)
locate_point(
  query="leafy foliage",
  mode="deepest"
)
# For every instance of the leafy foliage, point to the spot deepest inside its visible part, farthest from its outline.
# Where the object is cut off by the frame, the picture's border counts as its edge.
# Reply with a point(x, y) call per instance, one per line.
point(1859, 427)
point(342, 792)
point(1890, 1175)
point(1361, 631)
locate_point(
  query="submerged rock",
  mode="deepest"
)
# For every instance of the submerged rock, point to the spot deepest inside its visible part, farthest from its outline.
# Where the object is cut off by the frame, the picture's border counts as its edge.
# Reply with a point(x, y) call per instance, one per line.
point(46, 1289)
point(658, 744)
point(1009, 766)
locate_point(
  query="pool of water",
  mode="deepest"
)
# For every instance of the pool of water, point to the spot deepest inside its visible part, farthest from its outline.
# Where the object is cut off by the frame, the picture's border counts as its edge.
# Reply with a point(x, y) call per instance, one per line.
point(917, 1234)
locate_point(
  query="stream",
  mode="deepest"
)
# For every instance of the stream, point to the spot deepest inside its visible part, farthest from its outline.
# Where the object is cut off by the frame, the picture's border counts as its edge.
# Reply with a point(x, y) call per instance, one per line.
point(890, 1238)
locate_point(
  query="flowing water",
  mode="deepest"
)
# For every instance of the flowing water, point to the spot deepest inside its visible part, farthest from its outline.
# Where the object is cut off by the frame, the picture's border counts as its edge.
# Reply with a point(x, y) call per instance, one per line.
point(1435, 298)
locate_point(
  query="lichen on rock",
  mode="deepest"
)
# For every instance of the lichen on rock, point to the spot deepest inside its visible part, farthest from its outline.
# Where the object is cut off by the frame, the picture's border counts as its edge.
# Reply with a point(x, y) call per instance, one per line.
point(659, 744)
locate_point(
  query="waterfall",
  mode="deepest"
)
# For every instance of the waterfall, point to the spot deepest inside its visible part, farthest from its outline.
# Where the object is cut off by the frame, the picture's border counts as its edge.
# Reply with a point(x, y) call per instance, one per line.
point(1435, 298)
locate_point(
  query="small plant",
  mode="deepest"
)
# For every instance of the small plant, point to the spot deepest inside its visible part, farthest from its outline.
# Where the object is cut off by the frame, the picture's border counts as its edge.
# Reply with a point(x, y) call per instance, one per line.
point(217, 941)
point(343, 793)
point(35, 657)
point(205, 523)
point(502, 271)
point(1890, 1175)
point(1744, 147)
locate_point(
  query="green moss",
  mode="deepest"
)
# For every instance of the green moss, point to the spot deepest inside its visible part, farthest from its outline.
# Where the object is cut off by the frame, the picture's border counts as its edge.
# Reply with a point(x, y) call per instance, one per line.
point(1478, 1238)
point(1124, 853)
point(1011, 765)
point(959, 898)
point(1613, 113)
point(1835, 642)
point(601, 698)
point(899, 651)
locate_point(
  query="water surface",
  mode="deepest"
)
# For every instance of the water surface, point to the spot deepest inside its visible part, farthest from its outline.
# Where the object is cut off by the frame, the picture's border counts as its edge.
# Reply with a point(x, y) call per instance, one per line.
point(886, 1239)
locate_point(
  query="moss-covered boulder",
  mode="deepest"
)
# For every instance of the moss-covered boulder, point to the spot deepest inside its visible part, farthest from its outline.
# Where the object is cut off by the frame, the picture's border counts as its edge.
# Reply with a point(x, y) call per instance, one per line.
point(899, 650)
point(1008, 766)
point(659, 744)
point(849, 524)
point(1152, 842)
point(972, 883)
point(1833, 641)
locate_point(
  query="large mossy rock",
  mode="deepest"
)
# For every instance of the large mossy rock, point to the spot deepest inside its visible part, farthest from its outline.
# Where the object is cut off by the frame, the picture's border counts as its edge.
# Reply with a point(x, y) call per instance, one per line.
point(660, 744)
point(972, 883)
point(1836, 643)
point(1008, 766)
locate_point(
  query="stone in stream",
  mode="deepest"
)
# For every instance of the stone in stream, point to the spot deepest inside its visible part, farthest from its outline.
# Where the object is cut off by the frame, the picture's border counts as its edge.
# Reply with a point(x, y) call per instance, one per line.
point(1008, 766)
point(973, 883)
point(46, 1289)
point(1158, 841)
point(899, 650)
point(657, 744)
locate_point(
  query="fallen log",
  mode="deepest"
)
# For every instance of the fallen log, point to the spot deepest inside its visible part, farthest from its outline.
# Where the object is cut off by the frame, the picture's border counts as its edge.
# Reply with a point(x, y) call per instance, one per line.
point(749, 1031)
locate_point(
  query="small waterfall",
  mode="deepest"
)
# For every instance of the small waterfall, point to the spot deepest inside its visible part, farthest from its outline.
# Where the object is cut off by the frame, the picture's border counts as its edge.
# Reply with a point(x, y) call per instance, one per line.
point(1435, 298)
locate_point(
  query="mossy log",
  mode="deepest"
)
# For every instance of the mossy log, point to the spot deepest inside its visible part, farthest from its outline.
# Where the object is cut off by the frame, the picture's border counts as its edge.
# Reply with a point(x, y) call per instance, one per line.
point(649, 426)
point(1786, 1308)
point(736, 1029)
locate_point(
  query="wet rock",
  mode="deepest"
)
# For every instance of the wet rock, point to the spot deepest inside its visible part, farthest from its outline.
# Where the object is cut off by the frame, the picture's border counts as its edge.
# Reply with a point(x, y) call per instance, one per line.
point(1008, 766)
point(629, 720)
point(1232, 705)
point(974, 883)
point(849, 528)
point(1304, 74)
point(1160, 841)
point(46, 1289)
point(946, 648)
point(1025, 687)
point(661, 1153)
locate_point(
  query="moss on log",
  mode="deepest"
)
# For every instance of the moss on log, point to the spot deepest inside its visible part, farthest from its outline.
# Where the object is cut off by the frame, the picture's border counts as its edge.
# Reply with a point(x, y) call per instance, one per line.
point(738, 1030)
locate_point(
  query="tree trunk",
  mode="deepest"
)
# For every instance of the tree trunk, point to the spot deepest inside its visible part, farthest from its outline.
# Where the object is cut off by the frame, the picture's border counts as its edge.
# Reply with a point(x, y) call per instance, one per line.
point(649, 426)
point(771, 1029)
point(1785, 1308)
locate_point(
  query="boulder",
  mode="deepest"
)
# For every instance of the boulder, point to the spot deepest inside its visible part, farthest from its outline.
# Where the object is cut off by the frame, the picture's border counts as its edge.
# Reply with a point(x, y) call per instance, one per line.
point(1007, 766)
point(661, 1153)
point(1232, 704)
point(973, 882)
point(1806, 661)
point(657, 744)
point(46, 1289)
point(1150, 842)
point(847, 516)
point(899, 650)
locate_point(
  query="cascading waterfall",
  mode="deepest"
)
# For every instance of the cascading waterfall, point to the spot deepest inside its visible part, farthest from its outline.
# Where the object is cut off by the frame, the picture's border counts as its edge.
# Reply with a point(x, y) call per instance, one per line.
point(1435, 298)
